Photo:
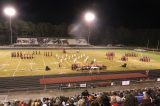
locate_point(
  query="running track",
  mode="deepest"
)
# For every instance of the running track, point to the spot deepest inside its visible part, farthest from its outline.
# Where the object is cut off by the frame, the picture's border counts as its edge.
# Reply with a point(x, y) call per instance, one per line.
point(91, 78)
point(33, 82)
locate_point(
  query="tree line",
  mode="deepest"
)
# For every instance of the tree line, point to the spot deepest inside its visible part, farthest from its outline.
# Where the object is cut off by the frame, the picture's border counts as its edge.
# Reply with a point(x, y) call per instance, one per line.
point(99, 36)
point(22, 28)
point(123, 35)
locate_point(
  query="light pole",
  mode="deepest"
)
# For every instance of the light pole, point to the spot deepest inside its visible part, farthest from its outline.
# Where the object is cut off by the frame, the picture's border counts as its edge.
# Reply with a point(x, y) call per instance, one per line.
point(10, 11)
point(89, 18)
point(158, 45)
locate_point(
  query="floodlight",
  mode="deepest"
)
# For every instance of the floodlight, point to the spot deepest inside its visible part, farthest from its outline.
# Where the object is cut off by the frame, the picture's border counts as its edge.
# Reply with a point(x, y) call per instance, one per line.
point(89, 16)
point(10, 11)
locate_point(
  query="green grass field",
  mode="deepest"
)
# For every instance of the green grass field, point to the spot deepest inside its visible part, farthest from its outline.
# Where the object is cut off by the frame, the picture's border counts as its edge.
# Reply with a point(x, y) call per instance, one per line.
point(25, 67)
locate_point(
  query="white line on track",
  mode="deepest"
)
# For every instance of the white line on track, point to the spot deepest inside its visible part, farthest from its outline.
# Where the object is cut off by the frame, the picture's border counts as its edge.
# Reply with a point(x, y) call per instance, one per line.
point(16, 68)
point(6, 98)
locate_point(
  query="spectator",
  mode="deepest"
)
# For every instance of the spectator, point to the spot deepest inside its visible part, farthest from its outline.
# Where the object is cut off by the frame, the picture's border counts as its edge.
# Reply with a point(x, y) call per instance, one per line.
point(85, 93)
point(130, 101)
point(146, 101)
point(105, 100)
point(89, 100)
point(95, 103)
point(157, 99)
point(81, 102)
point(114, 99)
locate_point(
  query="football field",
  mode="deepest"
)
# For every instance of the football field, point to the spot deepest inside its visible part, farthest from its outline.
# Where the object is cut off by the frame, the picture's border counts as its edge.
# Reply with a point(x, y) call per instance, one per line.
point(60, 63)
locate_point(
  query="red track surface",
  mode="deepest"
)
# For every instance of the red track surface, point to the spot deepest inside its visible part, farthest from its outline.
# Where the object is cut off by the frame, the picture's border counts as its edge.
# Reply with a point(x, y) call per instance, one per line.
point(91, 78)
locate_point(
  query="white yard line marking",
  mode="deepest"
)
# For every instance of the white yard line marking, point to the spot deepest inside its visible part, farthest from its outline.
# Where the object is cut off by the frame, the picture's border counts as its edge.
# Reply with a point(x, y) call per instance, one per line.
point(31, 64)
point(16, 68)
point(43, 61)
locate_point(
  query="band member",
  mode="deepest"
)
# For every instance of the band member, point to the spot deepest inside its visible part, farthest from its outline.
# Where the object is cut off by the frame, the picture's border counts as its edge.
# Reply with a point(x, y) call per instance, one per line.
point(64, 50)
point(24, 56)
point(27, 56)
point(32, 56)
point(17, 54)
point(59, 65)
point(20, 54)
point(48, 54)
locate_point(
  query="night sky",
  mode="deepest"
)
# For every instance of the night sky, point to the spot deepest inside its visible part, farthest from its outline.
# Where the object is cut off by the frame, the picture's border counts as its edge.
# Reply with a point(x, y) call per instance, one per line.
point(132, 14)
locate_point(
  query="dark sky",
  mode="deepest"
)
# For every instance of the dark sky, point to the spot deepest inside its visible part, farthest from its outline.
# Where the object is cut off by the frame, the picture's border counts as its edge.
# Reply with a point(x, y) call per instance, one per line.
point(132, 14)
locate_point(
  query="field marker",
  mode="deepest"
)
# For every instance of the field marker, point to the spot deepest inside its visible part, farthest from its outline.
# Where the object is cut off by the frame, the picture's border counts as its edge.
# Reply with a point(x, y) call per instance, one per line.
point(43, 61)
point(31, 64)
point(16, 68)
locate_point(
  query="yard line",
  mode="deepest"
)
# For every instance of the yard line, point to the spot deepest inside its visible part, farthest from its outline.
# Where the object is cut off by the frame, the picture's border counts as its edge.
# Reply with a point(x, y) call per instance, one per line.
point(30, 63)
point(55, 59)
point(43, 61)
point(16, 68)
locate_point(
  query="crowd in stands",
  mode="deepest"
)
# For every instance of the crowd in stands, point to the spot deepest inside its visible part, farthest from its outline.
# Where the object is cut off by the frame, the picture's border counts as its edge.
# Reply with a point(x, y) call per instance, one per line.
point(136, 97)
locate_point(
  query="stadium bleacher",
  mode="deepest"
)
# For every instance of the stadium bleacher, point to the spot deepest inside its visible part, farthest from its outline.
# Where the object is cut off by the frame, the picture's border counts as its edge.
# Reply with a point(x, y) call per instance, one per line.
point(26, 42)
point(45, 41)
point(78, 42)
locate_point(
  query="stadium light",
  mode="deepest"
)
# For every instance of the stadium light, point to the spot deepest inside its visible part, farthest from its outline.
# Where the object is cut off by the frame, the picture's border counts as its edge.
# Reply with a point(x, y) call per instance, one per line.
point(10, 11)
point(89, 18)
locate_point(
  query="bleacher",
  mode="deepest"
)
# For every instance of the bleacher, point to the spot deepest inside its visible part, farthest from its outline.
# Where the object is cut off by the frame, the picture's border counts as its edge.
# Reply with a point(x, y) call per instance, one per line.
point(46, 41)
point(78, 42)
point(26, 42)
point(82, 42)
